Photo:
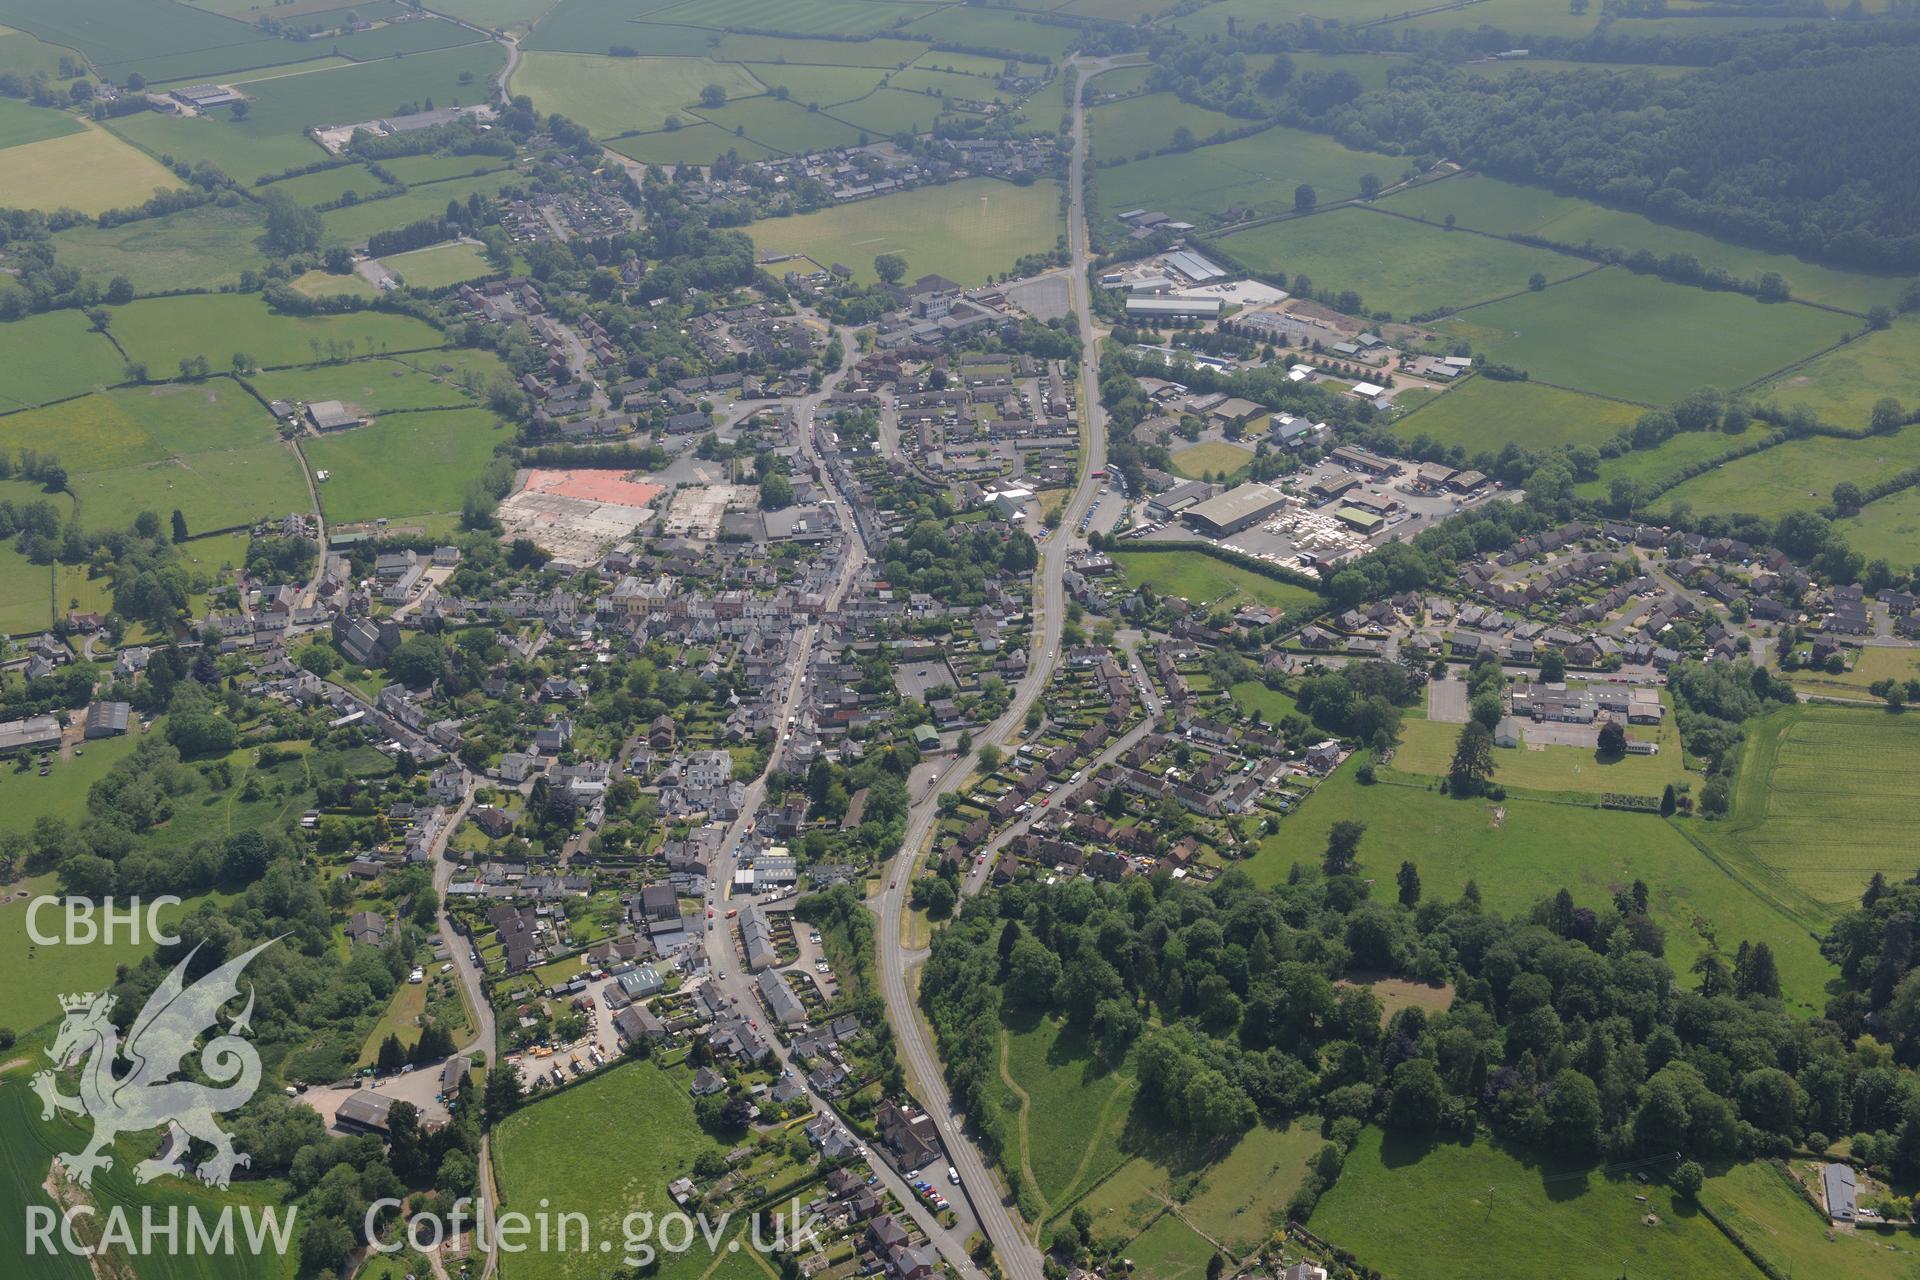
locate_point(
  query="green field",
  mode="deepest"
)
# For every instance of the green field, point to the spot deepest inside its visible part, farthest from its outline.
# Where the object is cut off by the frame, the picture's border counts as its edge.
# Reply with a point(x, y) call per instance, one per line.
point(329, 185)
point(960, 86)
point(193, 249)
point(1072, 1108)
point(1271, 705)
point(1823, 799)
point(1508, 208)
point(1454, 1211)
point(558, 1148)
point(881, 52)
point(803, 17)
point(407, 464)
point(1655, 465)
point(996, 29)
point(1426, 747)
point(1796, 476)
point(1148, 123)
point(25, 592)
point(352, 224)
point(34, 975)
point(1638, 338)
point(215, 490)
point(52, 356)
point(1200, 578)
point(1522, 850)
point(161, 331)
point(1216, 457)
point(439, 266)
point(383, 385)
point(624, 95)
point(965, 230)
point(1251, 15)
point(1888, 529)
point(89, 170)
point(889, 111)
point(695, 144)
point(119, 36)
point(780, 126)
point(1169, 1250)
point(1249, 175)
point(1783, 1226)
point(825, 86)
point(1841, 387)
point(21, 122)
point(26, 55)
point(232, 148)
point(1871, 664)
point(1483, 415)
point(1396, 266)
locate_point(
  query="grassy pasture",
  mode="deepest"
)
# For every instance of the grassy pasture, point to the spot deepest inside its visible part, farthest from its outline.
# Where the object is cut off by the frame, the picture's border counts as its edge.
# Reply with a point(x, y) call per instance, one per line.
point(1250, 15)
point(885, 112)
point(1550, 66)
point(1842, 386)
point(53, 355)
point(328, 185)
point(1204, 580)
point(1508, 208)
point(1169, 1250)
point(1072, 1107)
point(1796, 476)
point(1522, 850)
point(439, 266)
point(590, 26)
point(1217, 457)
point(993, 29)
point(781, 126)
point(26, 595)
point(120, 36)
point(1782, 1226)
point(1482, 414)
point(499, 15)
point(621, 95)
point(161, 331)
point(321, 284)
point(825, 86)
point(1652, 466)
point(352, 224)
point(882, 51)
point(973, 64)
point(33, 974)
point(418, 169)
point(26, 55)
point(965, 230)
point(1638, 338)
point(1241, 1196)
point(1148, 123)
point(952, 84)
point(1252, 174)
point(216, 490)
point(696, 144)
point(22, 122)
point(229, 146)
point(802, 17)
point(1888, 529)
point(1452, 1211)
point(88, 169)
point(1516, 17)
point(1396, 266)
point(404, 464)
point(556, 1148)
point(195, 248)
point(1823, 799)
point(1872, 664)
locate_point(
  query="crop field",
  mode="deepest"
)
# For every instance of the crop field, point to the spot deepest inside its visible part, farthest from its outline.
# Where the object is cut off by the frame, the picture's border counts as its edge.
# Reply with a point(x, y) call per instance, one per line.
point(557, 1148)
point(195, 248)
point(1482, 415)
point(696, 144)
point(781, 126)
point(1521, 850)
point(161, 331)
point(965, 230)
point(51, 356)
point(1426, 747)
point(1200, 578)
point(1668, 458)
point(1216, 457)
point(89, 170)
point(1256, 174)
point(802, 17)
point(624, 95)
point(125, 35)
point(826, 86)
point(888, 111)
point(439, 266)
point(1396, 266)
point(21, 123)
point(995, 29)
point(1507, 208)
point(1660, 340)
point(1842, 386)
point(1796, 476)
point(1824, 798)
point(1148, 123)
point(1450, 1211)
point(407, 464)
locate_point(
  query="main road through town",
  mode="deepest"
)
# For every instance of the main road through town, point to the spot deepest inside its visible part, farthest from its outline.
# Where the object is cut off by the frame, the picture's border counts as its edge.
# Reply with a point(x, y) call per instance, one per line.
point(1019, 1255)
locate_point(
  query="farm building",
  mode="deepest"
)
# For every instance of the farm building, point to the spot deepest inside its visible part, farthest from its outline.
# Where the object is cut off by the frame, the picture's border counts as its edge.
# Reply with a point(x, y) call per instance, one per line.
point(1193, 266)
point(1234, 510)
point(35, 733)
point(1174, 307)
point(366, 1111)
point(331, 415)
point(1838, 1182)
point(108, 719)
point(201, 97)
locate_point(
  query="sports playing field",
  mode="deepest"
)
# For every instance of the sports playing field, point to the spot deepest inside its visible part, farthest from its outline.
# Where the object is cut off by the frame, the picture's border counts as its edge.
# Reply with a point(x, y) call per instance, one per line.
point(965, 231)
